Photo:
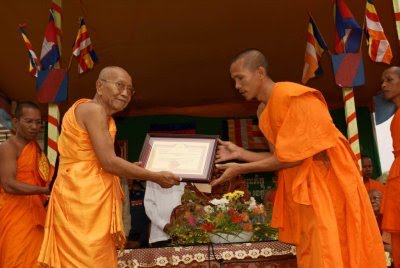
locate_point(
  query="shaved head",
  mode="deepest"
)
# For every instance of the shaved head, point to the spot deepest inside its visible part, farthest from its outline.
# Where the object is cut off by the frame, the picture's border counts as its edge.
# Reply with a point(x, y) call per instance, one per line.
point(108, 71)
point(253, 58)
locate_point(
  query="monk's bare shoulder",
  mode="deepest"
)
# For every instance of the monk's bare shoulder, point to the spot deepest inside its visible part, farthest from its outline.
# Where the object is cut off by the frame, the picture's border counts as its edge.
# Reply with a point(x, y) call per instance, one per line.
point(9, 149)
point(89, 112)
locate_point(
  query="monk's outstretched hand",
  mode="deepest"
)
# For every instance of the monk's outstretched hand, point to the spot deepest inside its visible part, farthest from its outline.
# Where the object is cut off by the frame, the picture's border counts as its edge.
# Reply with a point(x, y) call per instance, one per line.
point(231, 171)
point(226, 150)
point(167, 179)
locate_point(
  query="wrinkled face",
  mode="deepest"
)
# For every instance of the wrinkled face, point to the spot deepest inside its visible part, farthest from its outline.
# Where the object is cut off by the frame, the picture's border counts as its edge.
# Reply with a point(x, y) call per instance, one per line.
point(247, 82)
point(375, 197)
point(29, 124)
point(390, 84)
point(115, 89)
point(366, 168)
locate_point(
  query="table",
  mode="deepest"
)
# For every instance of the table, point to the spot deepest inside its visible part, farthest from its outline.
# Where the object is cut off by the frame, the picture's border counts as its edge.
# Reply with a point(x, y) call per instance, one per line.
point(260, 254)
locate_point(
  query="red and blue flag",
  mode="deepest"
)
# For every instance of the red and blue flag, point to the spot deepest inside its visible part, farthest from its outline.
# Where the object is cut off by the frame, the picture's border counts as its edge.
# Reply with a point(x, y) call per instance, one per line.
point(348, 69)
point(50, 54)
point(348, 32)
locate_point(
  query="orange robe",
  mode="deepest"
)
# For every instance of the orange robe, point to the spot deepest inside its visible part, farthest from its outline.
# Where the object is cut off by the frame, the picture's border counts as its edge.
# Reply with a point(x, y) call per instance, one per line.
point(372, 184)
point(84, 220)
point(22, 216)
point(391, 199)
point(321, 206)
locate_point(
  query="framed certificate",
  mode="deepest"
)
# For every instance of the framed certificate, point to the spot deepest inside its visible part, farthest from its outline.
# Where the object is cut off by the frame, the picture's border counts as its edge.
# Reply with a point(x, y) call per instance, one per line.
point(189, 156)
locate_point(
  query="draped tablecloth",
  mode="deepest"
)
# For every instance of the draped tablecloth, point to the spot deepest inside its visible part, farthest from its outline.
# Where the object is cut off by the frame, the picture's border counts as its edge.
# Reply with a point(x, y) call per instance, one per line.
point(260, 254)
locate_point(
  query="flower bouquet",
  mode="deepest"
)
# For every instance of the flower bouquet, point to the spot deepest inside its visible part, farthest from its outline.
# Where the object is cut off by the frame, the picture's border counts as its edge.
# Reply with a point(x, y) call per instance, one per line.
point(232, 218)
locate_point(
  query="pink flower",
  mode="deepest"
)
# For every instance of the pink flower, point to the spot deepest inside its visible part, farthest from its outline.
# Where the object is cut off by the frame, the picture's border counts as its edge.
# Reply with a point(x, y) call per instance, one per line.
point(190, 218)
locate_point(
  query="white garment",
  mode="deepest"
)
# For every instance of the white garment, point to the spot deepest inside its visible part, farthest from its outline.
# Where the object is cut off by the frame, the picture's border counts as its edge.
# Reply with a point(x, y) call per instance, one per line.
point(159, 203)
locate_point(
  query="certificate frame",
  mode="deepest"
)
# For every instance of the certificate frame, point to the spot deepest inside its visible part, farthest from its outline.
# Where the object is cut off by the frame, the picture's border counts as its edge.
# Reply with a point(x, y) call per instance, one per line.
point(190, 156)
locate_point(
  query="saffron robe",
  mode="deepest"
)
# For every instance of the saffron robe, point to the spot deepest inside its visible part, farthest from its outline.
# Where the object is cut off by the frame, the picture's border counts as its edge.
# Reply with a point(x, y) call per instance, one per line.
point(321, 205)
point(22, 216)
point(372, 184)
point(391, 202)
point(84, 220)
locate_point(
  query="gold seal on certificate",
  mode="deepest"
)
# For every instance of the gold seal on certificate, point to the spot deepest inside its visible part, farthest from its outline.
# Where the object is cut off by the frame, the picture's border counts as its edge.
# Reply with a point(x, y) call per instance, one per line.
point(189, 156)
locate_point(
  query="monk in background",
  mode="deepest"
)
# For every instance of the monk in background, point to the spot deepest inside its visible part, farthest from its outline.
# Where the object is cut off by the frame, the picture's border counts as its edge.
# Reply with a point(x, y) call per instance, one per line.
point(321, 204)
point(391, 199)
point(24, 171)
point(84, 221)
point(367, 169)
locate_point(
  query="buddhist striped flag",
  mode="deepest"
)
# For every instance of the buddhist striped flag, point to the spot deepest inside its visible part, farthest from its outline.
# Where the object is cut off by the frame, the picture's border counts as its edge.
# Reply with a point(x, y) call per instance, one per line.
point(315, 47)
point(50, 54)
point(378, 46)
point(33, 59)
point(83, 49)
point(396, 8)
point(348, 32)
point(245, 133)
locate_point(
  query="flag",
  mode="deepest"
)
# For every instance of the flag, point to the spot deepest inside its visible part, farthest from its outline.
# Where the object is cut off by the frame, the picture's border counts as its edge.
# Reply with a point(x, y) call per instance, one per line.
point(315, 47)
point(56, 8)
point(33, 60)
point(396, 8)
point(378, 46)
point(83, 49)
point(52, 85)
point(348, 69)
point(245, 133)
point(50, 54)
point(348, 33)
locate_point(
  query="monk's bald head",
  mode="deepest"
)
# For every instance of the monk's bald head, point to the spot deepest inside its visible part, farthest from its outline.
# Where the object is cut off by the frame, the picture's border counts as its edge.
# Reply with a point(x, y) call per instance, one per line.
point(393, 70)
point(253, 58)
point(110, 71)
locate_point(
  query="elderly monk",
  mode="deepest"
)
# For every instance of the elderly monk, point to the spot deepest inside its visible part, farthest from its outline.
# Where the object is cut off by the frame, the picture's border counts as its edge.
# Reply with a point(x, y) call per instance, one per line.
point(391, 198)
point(22, 190)
point(321, 204)
point(84, 221)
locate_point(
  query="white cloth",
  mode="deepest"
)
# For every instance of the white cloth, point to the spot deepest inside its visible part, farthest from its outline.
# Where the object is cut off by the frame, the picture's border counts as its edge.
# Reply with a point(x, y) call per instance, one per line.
point(159, 203)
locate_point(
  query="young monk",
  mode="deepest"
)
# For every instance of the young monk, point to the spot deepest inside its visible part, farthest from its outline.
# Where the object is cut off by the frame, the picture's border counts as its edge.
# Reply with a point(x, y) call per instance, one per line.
point(321, 204)
point(391, 201)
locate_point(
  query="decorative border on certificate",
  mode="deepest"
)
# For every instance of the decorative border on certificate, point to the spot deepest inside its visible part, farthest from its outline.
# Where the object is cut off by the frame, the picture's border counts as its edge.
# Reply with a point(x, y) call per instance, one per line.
point(189, 156)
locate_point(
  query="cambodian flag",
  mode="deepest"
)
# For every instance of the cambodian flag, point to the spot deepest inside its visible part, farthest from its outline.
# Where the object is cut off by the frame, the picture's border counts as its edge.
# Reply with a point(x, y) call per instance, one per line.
point(50, 53)
point(348, 33)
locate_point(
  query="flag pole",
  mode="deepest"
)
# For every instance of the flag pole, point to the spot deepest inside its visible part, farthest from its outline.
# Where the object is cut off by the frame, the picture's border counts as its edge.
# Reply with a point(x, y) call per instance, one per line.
point(351, 122)
point(53, 117)
point(351, 116)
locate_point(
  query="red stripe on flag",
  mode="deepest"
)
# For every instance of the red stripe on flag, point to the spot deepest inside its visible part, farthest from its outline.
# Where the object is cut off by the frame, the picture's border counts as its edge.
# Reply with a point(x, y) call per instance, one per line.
point(397, 16)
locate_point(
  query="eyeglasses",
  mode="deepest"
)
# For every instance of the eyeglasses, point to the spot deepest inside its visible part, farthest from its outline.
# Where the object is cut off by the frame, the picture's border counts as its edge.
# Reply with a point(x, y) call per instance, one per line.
point(121, 86)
